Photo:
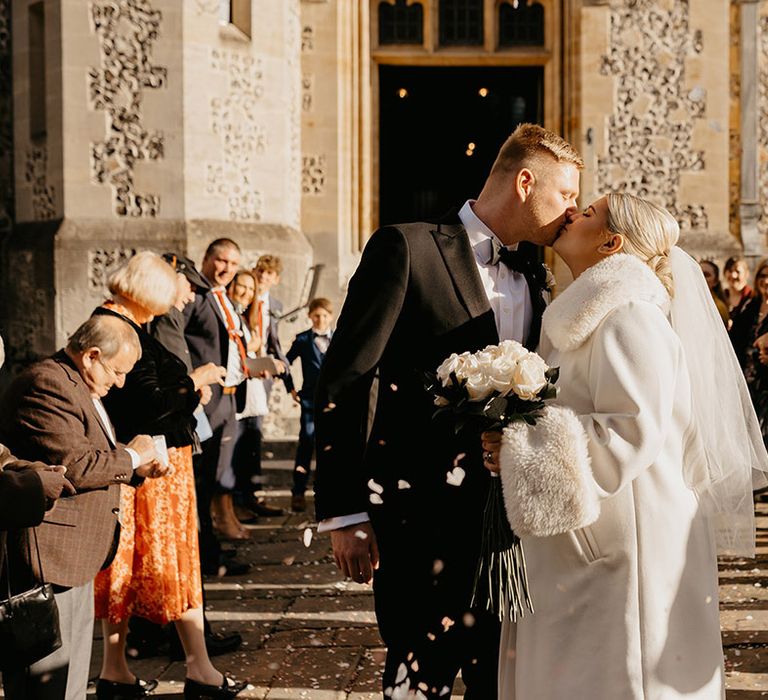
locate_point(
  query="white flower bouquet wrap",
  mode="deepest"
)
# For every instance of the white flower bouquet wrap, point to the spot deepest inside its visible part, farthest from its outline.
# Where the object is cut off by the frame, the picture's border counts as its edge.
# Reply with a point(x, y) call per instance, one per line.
point(488, 390)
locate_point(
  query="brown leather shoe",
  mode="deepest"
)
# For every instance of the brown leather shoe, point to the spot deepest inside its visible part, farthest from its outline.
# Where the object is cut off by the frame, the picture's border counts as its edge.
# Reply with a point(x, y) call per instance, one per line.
point(298, 504)
point(224, 520)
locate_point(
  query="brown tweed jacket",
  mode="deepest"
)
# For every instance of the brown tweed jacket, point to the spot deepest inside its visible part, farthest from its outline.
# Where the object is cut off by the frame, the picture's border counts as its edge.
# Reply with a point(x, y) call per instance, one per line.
point(48, 415)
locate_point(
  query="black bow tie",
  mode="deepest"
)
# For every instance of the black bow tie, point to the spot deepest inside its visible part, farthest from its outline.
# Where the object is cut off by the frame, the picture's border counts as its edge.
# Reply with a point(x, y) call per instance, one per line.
point(320, 335)
point(513, 259)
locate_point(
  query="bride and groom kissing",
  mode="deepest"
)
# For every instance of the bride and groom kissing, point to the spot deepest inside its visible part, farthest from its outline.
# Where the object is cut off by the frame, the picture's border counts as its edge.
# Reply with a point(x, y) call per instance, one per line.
point(622, 571)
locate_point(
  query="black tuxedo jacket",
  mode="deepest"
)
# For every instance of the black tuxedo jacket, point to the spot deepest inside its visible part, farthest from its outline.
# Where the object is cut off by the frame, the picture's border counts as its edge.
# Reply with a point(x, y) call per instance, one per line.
point(415, 298)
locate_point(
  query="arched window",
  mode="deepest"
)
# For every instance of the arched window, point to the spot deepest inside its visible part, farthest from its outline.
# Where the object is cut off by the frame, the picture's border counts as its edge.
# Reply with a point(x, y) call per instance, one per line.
point(401, 23)
point(461, 22)
point(521, 23)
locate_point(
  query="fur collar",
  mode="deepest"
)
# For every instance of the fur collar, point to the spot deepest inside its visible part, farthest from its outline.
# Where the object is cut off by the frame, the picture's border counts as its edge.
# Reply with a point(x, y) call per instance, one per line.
point(619, 279)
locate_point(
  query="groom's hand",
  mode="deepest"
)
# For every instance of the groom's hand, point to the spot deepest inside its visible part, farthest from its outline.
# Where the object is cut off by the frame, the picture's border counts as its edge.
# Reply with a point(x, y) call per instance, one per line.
point(356, 552)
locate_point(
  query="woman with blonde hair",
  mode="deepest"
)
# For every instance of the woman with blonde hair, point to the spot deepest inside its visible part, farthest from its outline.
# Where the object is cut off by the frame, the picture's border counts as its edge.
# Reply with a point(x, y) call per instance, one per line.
point(156, 571)
point(624, 487)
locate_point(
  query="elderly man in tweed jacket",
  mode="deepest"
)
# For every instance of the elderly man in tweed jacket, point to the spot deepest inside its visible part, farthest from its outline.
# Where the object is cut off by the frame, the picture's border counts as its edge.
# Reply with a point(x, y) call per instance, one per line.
point(53, 413)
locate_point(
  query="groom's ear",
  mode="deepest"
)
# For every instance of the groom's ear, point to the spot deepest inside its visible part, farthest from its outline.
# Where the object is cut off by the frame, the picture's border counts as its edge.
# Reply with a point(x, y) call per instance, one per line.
point(613, 244)
point(524, 181)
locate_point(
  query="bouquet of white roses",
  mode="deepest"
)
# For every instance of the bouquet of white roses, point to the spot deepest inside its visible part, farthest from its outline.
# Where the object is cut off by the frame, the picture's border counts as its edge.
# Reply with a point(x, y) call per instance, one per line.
point(488, 390)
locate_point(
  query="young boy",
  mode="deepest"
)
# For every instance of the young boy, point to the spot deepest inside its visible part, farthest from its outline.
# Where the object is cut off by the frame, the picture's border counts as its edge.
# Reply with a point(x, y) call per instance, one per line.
point(310, 346)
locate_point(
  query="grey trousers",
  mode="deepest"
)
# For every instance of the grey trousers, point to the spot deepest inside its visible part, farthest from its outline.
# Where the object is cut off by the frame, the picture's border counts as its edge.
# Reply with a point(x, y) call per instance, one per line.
point(62, 675)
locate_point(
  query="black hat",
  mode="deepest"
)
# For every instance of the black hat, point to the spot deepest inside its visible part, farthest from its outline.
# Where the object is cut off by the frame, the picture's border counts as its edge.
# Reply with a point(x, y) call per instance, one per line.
point(183, 264)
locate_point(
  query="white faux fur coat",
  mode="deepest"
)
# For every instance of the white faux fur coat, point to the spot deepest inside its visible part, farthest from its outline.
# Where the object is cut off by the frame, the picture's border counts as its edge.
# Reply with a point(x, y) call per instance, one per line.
point(626, 601)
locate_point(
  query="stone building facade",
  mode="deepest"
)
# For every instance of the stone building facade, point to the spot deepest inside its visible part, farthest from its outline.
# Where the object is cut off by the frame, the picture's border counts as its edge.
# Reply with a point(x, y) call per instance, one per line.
point(162, 124)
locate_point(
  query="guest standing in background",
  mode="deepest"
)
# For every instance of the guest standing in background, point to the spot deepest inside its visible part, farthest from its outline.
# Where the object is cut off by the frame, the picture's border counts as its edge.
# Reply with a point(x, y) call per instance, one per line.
point(712, 276)
point(310, 347)
point(748, 326)
point(156, 572)
point(737, 291)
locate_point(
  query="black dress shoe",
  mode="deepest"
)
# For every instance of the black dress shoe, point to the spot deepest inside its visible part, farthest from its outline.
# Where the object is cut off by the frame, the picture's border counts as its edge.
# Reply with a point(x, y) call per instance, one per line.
point(199, 691)
point(230, 567)
point(216, 644)
point(259, 506)
point(112, 690)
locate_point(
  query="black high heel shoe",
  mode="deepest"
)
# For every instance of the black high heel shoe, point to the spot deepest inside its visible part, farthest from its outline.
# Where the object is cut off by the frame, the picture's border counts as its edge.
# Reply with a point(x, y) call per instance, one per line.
point(112, 690)
point(200, 691)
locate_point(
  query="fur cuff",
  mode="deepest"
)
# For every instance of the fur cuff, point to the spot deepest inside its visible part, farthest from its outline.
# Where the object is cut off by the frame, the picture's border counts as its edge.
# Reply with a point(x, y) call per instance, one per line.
point(545, 475)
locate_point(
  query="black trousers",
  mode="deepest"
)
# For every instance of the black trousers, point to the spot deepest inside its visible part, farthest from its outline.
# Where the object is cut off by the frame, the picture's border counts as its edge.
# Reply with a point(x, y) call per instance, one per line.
point(423, 589)
point(246, 457)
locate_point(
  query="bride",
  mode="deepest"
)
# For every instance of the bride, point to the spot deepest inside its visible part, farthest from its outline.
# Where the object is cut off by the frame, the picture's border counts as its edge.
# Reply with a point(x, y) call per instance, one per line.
point(627, 485)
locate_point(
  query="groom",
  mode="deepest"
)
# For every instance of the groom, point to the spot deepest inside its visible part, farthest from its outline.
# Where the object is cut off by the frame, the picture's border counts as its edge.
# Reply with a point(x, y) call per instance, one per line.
point(403, 495)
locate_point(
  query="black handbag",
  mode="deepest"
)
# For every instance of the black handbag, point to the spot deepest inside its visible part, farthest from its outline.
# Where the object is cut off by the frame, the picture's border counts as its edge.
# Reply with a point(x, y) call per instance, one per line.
point(29, 621)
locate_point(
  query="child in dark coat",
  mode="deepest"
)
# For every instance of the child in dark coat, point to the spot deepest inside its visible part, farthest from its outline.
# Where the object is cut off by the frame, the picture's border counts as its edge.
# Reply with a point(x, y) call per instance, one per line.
point(310, 346)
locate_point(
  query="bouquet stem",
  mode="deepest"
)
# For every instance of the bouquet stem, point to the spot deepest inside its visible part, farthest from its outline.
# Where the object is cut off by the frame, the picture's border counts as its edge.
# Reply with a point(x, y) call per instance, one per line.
point(501, 579)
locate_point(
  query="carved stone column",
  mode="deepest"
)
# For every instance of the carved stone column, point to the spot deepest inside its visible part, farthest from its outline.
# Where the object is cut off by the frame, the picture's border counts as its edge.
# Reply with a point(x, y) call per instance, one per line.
point(749, 203)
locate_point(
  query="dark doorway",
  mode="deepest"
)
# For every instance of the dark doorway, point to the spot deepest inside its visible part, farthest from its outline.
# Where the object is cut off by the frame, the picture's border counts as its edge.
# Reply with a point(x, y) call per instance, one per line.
point(440, 130)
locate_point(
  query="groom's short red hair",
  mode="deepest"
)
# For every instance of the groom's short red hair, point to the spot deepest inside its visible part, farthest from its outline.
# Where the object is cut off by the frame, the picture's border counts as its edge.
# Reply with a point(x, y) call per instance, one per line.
point(531, 140)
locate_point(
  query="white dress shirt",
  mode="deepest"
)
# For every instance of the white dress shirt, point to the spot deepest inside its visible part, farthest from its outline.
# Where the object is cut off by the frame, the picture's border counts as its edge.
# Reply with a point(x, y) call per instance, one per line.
point(507, 291)
point(107, 425)
point(510, 300)
point(235, 373)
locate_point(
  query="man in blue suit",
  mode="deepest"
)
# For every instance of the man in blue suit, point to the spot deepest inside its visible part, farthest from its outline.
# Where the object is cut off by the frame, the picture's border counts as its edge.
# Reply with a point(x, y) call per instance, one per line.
point(310, 346)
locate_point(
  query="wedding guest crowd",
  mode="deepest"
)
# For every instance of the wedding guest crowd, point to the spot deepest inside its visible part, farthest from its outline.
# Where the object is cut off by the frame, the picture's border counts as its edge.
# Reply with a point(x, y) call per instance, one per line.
point(120, 456)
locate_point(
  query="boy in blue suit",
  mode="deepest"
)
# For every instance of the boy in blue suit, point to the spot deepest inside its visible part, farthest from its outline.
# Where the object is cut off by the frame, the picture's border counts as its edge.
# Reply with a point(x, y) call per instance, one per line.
point(310, 346)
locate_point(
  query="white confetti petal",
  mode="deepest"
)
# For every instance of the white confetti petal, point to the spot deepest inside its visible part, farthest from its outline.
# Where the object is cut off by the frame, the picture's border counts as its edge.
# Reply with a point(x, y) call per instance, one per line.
point(378, 488)
point(455, 476)
point(308, 537)
point(376, 499)
point(361, 535)
point(403, 484)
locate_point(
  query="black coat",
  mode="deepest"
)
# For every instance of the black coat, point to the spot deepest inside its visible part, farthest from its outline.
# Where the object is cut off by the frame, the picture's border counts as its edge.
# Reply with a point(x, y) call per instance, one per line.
point(415, 298)
point(158, 397)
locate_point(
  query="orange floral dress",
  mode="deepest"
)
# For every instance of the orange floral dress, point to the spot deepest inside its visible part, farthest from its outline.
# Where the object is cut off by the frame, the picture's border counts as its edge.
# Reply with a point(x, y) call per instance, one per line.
point(156, 571)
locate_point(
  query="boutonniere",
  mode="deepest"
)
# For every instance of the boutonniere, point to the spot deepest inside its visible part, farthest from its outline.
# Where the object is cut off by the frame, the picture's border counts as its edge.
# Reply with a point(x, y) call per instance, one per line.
point(549, 278)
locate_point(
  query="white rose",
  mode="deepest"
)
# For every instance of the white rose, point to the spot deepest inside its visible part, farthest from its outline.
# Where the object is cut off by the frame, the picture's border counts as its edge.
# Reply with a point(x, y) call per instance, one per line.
point(453, 364)
point(551, 281)
point(479, 386)
point(512, 350)
point(501, 374)
point(528, 376)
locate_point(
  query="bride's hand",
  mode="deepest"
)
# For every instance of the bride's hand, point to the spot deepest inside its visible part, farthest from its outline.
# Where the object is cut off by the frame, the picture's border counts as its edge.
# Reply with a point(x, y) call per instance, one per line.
point(491, 449)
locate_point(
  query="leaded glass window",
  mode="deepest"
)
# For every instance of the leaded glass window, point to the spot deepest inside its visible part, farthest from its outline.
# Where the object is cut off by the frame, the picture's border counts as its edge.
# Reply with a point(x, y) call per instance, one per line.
point(401, 23)
point(461, 22)
point(522, 25)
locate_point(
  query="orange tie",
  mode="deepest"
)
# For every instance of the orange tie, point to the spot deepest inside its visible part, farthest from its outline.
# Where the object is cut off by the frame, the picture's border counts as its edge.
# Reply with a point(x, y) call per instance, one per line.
point(232, 330)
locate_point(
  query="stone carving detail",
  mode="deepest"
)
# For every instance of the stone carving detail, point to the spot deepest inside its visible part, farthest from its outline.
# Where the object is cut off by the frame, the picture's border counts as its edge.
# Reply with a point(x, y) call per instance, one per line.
point(307, 92)
point(102, 262)
point(126, 30)
point(36, 174)
point(650, 131)
point(307, 39)
point(293, 34)
point(313, 174)
point(208, 7)
point(233, 119)
point(762, 139)
point(30, 304)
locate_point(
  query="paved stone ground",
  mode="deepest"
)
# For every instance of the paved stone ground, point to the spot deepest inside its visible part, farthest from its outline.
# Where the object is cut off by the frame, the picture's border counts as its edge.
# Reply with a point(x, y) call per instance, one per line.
point(310, 635)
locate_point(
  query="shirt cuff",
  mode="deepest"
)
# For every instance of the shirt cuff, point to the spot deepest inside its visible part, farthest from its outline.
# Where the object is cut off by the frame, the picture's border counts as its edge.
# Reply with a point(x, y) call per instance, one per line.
point(342, 521)
point(135, 464)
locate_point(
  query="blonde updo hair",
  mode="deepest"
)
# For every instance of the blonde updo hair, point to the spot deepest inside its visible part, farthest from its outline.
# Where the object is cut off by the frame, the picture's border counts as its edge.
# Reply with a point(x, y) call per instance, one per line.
point(147, 280)
point(649, 233)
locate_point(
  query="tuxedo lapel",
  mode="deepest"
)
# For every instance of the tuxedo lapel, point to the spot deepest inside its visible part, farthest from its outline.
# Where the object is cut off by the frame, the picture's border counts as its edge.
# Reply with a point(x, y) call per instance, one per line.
point(454, 246)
